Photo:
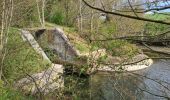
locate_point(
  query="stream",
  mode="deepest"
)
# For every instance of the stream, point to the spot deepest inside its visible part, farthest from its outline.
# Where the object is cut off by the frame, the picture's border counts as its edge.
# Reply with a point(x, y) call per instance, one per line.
point(152, 83)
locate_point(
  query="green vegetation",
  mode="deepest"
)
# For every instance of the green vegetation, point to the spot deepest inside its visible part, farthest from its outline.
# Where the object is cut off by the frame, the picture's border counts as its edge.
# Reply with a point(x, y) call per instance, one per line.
point(113, 47)
point(107, 29)
point(81, 25)
point(21, 58)
point(117, 48)
point(121, 48)
point(158, 16)
point(154, 28)
point(51, 54)
point(83, 48)
point(57, 17)
point(74, 84)
point(77, 40)
point(8, 93)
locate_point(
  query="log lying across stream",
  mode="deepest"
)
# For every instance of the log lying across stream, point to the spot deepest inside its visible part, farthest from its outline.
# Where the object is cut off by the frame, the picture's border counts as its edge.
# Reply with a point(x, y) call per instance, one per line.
point(163, 42)
point(73, 68)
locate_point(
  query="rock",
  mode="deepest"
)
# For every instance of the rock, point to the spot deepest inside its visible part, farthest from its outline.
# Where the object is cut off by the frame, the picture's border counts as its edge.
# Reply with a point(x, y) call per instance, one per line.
point(137, 62)
point(26, 35)
point(44, 82)
point(95, 54)
point(114, 60)
point(62, 45)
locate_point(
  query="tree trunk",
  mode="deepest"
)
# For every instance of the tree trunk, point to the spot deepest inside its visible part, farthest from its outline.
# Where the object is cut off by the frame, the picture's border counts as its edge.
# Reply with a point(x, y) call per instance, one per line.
point(80, 16)
point(39, 13)
point(7, 13)
point(91, 21)
point(43, 16)
point(2, 34)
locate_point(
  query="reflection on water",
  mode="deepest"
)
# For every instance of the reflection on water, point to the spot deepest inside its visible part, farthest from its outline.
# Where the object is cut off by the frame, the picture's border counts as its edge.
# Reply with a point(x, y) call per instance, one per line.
point(152, 83)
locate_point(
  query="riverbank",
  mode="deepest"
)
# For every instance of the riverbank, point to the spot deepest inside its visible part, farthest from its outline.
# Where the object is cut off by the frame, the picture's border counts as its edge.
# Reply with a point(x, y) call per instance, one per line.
point(131, 85)
point(122, 48)
point(138, 62)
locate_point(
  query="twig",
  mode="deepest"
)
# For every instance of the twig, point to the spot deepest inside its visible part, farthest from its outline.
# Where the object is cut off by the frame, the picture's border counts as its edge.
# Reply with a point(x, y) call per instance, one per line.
point(127, 16)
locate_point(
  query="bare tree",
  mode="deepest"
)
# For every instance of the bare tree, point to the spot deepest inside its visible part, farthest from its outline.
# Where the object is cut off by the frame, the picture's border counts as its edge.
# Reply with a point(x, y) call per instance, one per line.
point(128, 16)
point(7, 13)
point(40, 10)
point(80, 16)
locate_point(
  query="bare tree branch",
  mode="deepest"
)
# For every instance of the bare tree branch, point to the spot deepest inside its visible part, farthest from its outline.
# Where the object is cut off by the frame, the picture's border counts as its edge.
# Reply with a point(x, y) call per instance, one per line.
point(127, 16)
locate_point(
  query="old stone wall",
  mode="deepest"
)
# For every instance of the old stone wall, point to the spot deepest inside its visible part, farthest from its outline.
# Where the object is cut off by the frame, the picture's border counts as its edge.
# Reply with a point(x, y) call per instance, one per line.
point(56, 40)
point(62, 45)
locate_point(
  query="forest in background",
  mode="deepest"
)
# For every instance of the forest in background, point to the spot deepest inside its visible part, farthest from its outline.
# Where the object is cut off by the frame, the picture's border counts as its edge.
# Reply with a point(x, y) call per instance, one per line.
point(104, 24)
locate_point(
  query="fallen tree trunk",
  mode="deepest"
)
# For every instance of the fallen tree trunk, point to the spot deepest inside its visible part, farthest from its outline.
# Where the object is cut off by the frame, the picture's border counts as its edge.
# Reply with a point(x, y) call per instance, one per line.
point(73, 68)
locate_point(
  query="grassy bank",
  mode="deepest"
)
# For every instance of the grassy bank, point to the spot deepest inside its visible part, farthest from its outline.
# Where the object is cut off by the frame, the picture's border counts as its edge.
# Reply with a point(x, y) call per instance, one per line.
point(20, 59)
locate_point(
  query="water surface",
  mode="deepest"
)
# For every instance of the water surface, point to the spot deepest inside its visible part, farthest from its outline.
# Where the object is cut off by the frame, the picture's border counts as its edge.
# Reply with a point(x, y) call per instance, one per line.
point(152, 83)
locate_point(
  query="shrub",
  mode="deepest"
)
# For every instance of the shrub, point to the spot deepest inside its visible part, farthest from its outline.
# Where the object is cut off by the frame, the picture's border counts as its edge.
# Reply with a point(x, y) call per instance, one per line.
point(153, 29)
point(118, 48)
point(57, 17)
point(108, 29)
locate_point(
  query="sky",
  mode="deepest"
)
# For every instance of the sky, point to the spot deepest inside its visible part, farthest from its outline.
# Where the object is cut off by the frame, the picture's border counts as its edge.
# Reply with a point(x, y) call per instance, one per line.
point(160, 4)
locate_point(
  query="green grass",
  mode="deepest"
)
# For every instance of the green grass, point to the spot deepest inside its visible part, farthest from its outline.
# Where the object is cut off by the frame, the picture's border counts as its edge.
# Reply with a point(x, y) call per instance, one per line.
point(21, 58)
point(118, 48)
point(107, 29)
point(8, 93)
point(114, 48)
point(83, 48)
point(74, 37)
point(155, 28)
point(158, 16)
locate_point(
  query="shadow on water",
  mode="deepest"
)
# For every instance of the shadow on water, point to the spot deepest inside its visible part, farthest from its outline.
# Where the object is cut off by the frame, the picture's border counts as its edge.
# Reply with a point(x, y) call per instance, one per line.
point(152, 83)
